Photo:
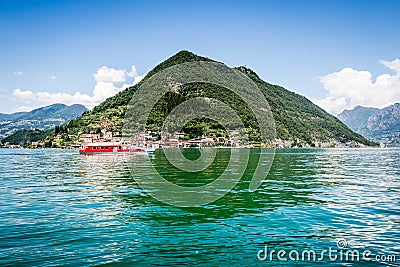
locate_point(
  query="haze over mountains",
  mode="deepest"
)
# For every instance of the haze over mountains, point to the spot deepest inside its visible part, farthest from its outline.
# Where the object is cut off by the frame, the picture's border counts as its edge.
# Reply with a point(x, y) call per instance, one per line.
point(41, 118)
point(379, 125)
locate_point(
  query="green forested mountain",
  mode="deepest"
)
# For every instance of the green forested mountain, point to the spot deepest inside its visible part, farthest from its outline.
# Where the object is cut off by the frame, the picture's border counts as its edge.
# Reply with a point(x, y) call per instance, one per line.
point(26, 137)
point(298, 120)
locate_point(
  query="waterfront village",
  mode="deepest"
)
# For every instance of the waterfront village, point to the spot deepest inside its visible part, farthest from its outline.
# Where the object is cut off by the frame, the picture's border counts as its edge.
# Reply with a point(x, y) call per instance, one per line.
point(150, 140)
point(145, 139)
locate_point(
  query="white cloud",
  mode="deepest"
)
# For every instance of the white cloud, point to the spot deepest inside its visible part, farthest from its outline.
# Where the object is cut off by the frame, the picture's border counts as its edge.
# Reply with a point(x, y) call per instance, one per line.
point(135, 75)
point(18, 73)
point(111, 75)
point(53, 77)
point(47, 98)
point(393, 65)
point(109, 82)
point(349, 88)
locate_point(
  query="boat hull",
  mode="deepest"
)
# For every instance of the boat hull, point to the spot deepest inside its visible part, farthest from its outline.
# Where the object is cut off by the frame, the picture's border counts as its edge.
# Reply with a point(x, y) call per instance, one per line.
point(109, 149)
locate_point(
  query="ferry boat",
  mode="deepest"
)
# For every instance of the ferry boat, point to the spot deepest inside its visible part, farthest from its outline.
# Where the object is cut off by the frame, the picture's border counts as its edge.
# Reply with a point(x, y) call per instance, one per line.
point(109, 147)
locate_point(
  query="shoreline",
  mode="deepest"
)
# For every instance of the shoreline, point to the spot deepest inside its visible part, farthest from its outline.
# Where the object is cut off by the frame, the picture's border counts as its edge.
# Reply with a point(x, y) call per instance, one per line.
point(276, 148)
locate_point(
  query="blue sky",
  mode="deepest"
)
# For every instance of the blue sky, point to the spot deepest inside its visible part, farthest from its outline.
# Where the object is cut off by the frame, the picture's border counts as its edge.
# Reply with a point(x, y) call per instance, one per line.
point(325, 50)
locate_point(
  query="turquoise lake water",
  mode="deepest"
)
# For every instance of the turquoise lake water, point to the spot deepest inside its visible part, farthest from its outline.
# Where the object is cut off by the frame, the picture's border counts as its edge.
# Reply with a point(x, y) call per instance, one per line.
point(59, 208)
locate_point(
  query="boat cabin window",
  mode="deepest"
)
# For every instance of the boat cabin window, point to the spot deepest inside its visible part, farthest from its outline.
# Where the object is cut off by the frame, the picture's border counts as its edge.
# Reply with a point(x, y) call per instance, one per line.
point(100, 147)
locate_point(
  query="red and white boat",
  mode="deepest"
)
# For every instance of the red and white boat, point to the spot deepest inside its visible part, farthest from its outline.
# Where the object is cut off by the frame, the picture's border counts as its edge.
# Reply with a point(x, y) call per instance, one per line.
point(109, 147)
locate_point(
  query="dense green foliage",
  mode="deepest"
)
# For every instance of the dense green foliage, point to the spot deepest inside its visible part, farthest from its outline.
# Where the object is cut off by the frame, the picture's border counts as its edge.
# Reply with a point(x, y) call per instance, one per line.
point(26, 137)
point(297, 119)
point(202, 127)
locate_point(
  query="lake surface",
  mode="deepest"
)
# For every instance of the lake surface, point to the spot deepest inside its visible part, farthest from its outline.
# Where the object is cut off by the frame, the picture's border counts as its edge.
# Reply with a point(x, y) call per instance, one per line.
point(61, 208)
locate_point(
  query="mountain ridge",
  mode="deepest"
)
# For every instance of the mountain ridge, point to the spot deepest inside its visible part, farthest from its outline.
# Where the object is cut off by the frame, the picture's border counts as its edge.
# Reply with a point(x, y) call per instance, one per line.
point(379, 125)
point(44, 118)
point(299, 122)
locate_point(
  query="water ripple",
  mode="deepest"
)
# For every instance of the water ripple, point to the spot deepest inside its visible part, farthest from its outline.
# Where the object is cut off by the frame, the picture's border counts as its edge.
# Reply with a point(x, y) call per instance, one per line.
point(60, 208)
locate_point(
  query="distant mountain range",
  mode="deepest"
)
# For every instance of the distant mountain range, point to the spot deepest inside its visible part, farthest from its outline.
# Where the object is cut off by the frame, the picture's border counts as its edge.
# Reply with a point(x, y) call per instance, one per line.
point(42, 118)
point(379, 125)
